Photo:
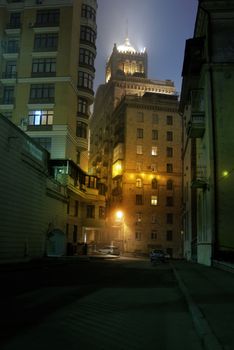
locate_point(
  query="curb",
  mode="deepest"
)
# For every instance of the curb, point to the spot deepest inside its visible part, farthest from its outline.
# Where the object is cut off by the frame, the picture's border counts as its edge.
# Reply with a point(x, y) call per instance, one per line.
point(207, 337)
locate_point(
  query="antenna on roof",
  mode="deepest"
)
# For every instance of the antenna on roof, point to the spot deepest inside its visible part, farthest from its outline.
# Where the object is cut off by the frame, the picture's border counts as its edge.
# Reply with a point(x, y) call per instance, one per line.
point(126, 28)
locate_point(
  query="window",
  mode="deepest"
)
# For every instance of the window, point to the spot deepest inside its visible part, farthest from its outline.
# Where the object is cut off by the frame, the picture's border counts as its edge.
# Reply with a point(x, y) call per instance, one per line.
point(85, 80)
point(138, 235)
point(88, 12)
point(75, 234)
point(139, 199)
point(83, 106)
point(102, 213)
point(169, 136)
point(87, 34)
point(169, 120)
point(169, 201)
point(140, 117)
point(154, 151)
point(76, 208)
point(42, 92)
point(169, 218)
point(153, 235)
point(44, 65)
point(15, 20)
point(155, 119)
point(45, 142)
point(10, 70)
point(153, 167)
point(138, 217)
point(41, 117)
point(81, 130)
point(154, 184)
point(153, 219)
point(138, 182)
point(154, 200)
point(169, 168)
point(47, 18)
point(87, 57)
point(169, 185)
point(154, 134)
point(139, 149)
point(169, 235)
point(46, 42)
point(138, 166)
point(169, 152)
point(12, 45)
point(90, 213)
point(140, 133)
point(8, 95)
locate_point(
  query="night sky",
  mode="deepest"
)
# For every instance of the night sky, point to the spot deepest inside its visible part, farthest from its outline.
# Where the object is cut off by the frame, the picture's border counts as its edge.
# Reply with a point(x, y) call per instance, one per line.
point(161, 26)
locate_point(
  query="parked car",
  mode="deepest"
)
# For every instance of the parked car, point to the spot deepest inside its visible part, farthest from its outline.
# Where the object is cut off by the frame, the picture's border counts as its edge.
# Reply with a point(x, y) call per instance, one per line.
point(157, 255)
point(109, 250)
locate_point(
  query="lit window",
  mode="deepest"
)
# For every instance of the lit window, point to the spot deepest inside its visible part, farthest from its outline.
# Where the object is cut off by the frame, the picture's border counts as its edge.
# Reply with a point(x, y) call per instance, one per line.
point(138, 182)
point(41, 117)
point(154, 200)
point(154, 151)
point(139, 149)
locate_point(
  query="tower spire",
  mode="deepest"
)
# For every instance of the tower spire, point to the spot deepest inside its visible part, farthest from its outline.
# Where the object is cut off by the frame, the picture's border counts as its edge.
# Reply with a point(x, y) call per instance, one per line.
point(126, 28)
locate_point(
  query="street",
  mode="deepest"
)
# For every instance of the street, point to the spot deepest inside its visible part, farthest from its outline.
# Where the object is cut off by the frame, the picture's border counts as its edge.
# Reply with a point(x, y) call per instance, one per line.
point(98, 304)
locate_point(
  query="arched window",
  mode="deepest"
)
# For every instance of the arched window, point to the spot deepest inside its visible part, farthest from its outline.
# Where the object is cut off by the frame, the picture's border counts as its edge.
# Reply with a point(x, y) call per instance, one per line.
point(154, 184)
point(138, 182)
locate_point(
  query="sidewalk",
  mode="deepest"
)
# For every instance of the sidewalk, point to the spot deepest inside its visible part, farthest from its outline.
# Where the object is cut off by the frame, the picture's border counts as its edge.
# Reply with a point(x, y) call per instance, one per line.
point(210, 295)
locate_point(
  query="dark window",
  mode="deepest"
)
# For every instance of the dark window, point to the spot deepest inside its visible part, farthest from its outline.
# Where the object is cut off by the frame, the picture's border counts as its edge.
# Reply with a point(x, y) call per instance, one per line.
point(47, 18)
point(102, 213)
point(154, 184)
point(15, 20)
point(87, 57)
point(8, 95)
point(75, 234)
point(81, 130)
point(87, 34)
point(76, 208)
point(169, 152)
point(153, 234)
point(46, 42)
point(90, 211)
point(169, 201)
point(83, 106)
point(169, 185)
point(10, 70)
point(169, 235)
point(169, 136)
point(138, 235)
point(169, 120)
point(85, 80)
point(154, 134)
point(88, 12)
point(169, 218)
point(169, 168)
point(140, 133)
point(139, 199)
point(44, 65)
point(155, 119)
point(42, 92)
point(12, 46)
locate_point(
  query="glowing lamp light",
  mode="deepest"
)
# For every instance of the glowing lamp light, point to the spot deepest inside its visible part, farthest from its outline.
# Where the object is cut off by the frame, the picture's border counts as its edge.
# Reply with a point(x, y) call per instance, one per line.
point(225, 173)
point(119, 215)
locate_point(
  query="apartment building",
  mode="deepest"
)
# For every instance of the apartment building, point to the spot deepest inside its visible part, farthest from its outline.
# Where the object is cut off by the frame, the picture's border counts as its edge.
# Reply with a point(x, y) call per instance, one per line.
point(46, 76)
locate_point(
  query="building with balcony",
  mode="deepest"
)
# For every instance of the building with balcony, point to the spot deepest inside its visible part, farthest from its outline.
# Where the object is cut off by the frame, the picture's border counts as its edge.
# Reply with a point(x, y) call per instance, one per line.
point(46, 76)
point(206, 105)
point(135, 152)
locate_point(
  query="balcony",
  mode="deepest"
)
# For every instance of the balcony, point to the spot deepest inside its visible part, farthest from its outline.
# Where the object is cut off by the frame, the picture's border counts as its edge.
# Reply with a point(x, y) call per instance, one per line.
point(199, 180)
point(196, 125)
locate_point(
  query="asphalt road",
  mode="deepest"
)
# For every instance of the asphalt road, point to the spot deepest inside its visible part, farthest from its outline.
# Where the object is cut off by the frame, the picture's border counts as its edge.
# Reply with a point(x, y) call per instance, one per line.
point(122, 304)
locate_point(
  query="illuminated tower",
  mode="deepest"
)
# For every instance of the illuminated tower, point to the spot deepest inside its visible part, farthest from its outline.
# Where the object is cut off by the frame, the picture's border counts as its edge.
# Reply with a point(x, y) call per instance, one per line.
point(135, 151)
